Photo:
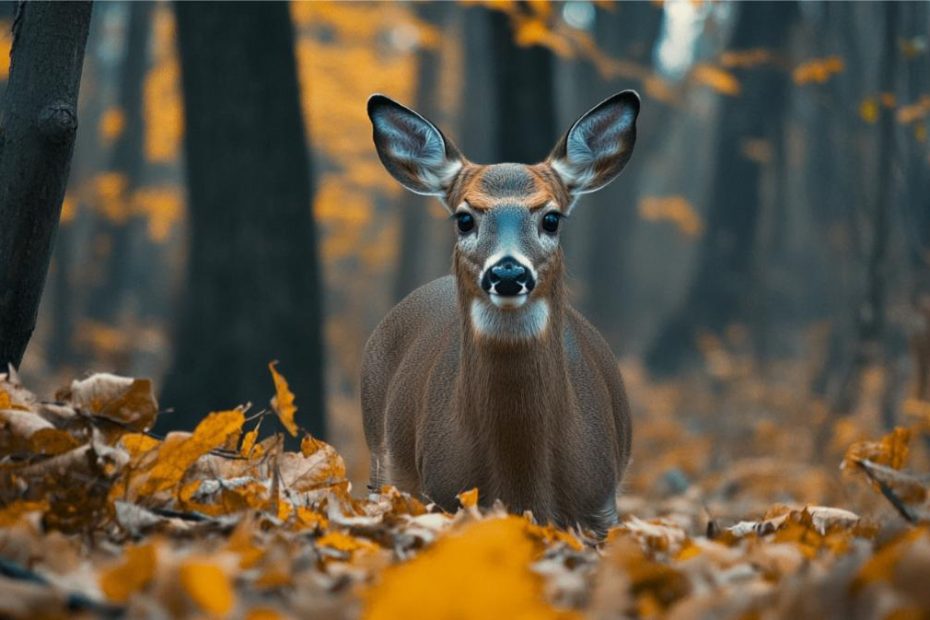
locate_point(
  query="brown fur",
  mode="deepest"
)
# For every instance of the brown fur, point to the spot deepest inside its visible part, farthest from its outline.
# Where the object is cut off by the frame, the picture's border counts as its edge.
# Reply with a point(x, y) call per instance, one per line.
point(542, 424)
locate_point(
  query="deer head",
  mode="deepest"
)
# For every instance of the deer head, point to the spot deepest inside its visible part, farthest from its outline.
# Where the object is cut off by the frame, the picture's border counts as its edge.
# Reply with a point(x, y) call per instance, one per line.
point(507, 216)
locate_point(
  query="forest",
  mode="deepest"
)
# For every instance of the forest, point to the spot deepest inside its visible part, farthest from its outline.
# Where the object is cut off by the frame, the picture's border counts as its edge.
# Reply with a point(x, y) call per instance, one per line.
point(197, 238)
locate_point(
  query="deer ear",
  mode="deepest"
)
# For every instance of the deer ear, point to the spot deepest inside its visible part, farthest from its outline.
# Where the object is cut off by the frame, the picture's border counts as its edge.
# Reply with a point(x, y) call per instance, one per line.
point(412, 149)
point(598, 145)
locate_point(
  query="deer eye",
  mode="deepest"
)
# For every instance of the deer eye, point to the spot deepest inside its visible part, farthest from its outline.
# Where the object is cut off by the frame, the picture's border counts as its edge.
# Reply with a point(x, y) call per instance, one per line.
point(550, 222)
point(465, 222)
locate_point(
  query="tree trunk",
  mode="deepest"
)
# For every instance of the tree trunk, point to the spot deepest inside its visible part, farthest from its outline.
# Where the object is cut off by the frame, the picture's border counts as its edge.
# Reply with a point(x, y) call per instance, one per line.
point(253, 292)
point(871, 338)
point(721, 290)
point(128, 161)
point(525, 97)
point(39, 125)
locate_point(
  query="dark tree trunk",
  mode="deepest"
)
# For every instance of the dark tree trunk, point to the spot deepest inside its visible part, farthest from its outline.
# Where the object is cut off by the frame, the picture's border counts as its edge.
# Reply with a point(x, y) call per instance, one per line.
point(128, 161)
point(252, 283)
point(525, 103)
point(721, 290)
point(871, 336)
point(39, 125)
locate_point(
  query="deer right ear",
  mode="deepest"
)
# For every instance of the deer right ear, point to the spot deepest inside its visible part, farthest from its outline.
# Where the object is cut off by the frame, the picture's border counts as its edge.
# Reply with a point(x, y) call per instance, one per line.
point(596, 148)
point(412, 149)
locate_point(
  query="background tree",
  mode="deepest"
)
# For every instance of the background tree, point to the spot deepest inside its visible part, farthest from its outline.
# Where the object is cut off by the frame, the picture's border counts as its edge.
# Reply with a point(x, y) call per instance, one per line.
point(524, 99)
point(39, 125)
point(252, 280)
point(723, 290)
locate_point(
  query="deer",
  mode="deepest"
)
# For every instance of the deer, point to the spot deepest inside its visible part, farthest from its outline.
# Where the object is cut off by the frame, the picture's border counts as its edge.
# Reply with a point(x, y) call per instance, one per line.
point(488, 378)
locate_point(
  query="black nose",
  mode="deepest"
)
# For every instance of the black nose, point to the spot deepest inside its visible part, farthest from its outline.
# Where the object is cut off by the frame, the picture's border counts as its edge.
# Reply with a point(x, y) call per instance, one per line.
point(507, 277)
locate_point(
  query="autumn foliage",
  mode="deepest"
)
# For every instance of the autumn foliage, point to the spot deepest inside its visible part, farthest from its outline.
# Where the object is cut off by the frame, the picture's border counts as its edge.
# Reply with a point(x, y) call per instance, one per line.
point(101, 517)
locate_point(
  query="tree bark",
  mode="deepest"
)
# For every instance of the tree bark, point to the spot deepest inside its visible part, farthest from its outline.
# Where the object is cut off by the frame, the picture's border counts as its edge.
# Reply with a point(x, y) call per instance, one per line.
point(253, 292)
point(39, 126)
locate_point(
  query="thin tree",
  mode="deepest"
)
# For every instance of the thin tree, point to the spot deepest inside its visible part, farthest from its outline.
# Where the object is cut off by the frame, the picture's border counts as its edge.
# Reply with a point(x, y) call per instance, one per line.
point(39, 126)
point(253, 292)
point(127, 160)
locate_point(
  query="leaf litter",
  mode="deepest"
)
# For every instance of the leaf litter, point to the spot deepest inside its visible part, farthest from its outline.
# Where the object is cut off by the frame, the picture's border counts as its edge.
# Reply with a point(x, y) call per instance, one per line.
point(101, 518)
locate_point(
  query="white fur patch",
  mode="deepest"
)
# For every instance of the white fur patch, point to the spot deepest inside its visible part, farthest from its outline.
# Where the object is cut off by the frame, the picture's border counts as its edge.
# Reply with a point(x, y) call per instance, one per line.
point(530, 320)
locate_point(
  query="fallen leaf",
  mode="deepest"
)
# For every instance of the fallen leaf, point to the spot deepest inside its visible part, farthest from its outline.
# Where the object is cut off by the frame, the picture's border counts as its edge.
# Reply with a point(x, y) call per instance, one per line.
point(283, 401)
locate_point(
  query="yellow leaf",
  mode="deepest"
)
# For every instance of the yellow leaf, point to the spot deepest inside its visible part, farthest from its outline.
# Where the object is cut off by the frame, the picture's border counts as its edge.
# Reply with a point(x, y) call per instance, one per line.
point(137, 444)
point(6, 43)
point(868, 110)
point(12, 513)
point(817, 70)
point(5, 401)
point(481, 571)
point(208, 586)
point(343, 542)
point(722, 81)
point(179, 451)
point(248, 443)
point(309, 445)
point(468, 499)
point(51, 441)
point(891, 450)
point(283, 401)
point(745, 59)
point(135, 572)
point(112, 123)
point(311, 519)
point(674, 209)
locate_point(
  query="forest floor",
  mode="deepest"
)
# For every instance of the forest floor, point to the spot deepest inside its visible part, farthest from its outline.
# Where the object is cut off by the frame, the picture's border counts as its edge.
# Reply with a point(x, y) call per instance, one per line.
point(736, 505)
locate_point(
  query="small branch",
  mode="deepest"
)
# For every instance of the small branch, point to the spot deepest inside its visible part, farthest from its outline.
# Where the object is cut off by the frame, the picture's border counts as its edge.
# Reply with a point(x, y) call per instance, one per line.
point(890, 495)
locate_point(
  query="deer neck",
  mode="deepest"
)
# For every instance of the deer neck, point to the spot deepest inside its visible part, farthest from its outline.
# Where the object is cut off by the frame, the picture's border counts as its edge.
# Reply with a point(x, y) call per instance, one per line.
point(512, 389)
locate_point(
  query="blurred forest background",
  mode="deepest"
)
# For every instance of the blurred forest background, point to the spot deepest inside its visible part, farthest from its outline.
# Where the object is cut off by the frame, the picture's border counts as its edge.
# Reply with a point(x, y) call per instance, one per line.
point(761, 268)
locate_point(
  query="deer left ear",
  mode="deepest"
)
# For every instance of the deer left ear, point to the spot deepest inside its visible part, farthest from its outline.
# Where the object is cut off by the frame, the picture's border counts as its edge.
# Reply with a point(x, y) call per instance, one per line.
point(598, 145)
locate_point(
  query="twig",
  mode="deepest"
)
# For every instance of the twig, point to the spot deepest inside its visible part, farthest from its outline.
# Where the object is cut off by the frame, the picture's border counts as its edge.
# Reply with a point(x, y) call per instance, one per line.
point(889, 494)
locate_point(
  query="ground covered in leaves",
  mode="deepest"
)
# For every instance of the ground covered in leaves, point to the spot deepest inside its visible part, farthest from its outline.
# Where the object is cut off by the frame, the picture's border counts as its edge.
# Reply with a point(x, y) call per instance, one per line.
point(101, 518)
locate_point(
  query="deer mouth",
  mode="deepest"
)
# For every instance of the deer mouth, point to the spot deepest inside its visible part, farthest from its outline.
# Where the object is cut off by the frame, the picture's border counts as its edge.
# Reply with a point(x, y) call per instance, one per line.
point(509, 301)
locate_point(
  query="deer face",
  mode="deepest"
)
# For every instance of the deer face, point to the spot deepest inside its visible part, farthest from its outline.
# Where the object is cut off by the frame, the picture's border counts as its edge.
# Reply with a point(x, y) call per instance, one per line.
point(507, 217)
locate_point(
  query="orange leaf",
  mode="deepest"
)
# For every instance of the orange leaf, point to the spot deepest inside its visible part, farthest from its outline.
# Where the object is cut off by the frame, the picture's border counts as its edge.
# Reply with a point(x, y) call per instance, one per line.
point(136, 571)
point(179, 451)
point(891, 450)
point(5, 401)
point(12, 513)
point(283, 401)
point(722, 81)
point(468, 499)
point(208, 586)
point(481, 572)
point(248, 442)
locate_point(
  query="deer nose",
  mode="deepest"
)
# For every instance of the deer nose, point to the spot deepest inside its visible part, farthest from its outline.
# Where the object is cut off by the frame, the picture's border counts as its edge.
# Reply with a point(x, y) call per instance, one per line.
point(508, 277)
